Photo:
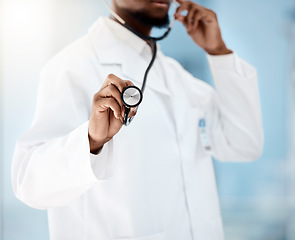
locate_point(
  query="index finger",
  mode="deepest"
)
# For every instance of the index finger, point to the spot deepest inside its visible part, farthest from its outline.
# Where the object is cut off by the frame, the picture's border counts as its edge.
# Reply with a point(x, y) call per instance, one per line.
point(116, 81)
point(128, 83)
point(187, 5)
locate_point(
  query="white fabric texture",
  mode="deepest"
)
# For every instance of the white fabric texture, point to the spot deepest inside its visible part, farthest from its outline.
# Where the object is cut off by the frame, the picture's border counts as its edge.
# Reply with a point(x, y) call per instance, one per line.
point(154, 180)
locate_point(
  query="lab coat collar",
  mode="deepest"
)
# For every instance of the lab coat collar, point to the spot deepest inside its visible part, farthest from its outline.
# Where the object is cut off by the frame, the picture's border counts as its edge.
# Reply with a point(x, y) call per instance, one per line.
point(114, 44)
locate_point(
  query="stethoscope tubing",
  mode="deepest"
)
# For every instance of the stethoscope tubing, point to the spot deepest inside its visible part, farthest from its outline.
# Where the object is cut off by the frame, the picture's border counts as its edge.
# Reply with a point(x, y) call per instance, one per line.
point(153, 41)
point(127, 121)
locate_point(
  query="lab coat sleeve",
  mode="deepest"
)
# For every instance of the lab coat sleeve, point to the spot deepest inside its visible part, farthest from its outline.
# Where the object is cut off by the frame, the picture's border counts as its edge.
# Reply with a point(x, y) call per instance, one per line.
point(236, 125)
point(52, 164)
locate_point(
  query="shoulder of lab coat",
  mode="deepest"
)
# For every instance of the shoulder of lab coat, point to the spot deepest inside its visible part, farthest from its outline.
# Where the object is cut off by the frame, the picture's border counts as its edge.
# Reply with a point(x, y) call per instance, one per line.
point(236, 128)
point(52, 164)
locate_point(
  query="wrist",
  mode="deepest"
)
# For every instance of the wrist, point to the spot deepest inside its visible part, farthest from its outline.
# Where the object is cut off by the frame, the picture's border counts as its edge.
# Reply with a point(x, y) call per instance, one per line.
point(95, 146)
point(221, 50)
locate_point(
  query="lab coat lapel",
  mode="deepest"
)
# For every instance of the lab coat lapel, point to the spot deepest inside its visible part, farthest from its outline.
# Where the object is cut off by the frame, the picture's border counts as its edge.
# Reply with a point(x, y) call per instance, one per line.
point(134, 68)
point(111, 51)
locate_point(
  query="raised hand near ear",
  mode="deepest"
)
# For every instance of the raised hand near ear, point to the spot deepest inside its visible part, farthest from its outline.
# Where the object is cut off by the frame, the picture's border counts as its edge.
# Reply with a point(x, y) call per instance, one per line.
point(202, 26)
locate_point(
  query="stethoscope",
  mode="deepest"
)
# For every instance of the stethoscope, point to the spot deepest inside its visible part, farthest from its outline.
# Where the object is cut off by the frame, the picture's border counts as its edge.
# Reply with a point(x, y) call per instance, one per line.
point(132, 96)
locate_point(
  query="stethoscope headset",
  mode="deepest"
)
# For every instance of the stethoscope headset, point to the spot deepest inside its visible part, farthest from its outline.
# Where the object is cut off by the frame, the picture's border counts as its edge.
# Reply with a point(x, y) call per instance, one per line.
point(132, 96)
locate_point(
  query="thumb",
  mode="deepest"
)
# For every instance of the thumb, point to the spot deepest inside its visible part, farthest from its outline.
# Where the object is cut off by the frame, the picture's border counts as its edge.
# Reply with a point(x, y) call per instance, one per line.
point(181, 19)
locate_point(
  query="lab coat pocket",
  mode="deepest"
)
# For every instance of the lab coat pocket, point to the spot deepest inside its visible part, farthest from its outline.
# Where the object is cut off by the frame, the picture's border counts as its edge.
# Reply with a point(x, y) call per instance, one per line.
point(203, 130)
point(197, 132)
point(157, 236)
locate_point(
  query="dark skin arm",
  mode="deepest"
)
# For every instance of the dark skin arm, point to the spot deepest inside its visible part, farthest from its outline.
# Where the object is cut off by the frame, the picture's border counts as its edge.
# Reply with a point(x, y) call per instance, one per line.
point(202, 26)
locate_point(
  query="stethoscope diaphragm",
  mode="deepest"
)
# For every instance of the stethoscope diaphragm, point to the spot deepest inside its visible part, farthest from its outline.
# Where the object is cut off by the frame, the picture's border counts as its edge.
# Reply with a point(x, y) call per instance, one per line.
point(131, 97)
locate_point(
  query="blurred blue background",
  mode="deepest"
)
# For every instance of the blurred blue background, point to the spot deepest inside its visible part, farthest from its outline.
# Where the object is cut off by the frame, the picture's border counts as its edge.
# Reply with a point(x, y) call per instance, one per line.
point(257, 199)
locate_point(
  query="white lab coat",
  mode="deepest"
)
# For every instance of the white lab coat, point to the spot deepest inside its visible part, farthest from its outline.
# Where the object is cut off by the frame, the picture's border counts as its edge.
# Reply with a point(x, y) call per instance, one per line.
point(155, 179)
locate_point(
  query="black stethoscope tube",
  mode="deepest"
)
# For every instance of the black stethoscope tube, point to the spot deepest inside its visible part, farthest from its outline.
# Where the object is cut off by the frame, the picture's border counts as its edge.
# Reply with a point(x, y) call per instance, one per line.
point(154, 49)
point(127, 120)
point(153, 41)
point(145, 37)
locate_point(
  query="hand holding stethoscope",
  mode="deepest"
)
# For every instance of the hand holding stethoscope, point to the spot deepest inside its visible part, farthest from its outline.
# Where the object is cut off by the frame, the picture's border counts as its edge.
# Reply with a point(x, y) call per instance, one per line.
point(117, 100)
point(107, 111)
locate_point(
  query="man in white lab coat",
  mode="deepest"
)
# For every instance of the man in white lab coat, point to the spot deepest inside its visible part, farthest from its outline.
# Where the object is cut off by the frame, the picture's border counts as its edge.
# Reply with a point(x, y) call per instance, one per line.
point(152, 180)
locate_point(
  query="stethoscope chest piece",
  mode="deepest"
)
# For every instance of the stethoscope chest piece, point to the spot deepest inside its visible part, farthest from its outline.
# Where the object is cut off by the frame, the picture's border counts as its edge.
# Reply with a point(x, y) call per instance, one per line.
point(131, 97)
